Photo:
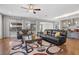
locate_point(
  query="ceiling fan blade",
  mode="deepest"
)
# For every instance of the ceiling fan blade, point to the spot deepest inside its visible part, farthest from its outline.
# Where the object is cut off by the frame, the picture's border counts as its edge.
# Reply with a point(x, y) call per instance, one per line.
point(37, 9)
point(24, 8)
point(34, 12)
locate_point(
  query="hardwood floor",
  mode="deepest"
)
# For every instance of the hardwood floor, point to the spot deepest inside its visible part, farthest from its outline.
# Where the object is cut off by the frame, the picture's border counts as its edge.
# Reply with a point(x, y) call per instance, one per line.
point(6, 47)
point(71, 47)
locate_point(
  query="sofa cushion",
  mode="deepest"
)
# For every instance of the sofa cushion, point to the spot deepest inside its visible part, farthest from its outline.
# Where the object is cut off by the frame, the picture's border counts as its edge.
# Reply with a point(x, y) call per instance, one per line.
point(57, 34)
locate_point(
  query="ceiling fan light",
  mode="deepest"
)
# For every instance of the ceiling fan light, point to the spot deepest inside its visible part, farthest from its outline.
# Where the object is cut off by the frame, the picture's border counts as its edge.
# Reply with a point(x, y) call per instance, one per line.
point(30, 6)
point(30, 10)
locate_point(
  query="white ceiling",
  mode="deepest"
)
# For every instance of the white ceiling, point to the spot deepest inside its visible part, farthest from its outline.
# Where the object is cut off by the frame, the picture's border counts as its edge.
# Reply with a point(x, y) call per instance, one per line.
point(48, 11)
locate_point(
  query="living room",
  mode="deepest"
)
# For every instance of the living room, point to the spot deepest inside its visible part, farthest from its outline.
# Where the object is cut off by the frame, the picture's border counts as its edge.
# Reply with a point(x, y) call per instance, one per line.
point(34, 29)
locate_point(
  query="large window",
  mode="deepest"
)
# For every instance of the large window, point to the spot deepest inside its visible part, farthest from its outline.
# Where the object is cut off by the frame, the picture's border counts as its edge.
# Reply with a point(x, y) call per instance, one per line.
point(46, 25)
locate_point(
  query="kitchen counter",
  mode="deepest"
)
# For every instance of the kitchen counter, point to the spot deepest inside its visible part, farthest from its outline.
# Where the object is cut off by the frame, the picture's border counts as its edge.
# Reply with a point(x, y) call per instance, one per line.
point(74, 35)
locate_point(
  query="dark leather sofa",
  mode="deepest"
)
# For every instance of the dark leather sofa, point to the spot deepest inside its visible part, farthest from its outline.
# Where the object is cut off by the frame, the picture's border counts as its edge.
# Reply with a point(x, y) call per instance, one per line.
point(55, 40)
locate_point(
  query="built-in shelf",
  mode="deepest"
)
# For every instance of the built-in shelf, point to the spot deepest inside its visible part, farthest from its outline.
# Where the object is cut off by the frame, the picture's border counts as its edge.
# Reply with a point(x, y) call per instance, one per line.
point(15, 26)
point(70, 23)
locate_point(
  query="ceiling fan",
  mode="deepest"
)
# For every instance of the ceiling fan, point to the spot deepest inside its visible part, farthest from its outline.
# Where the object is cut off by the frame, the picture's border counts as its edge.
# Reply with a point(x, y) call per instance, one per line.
point(32, 8)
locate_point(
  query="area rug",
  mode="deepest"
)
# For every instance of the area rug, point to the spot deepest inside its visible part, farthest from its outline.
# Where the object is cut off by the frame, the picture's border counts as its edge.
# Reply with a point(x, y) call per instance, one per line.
point(53, 50)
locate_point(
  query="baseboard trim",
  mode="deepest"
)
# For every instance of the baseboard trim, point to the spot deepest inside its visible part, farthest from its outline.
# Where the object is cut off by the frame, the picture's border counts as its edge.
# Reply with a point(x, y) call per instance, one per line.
point(5, 38)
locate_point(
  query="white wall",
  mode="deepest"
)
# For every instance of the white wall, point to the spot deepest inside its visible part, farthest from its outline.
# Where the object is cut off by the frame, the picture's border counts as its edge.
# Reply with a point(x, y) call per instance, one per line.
point(0, 26)
point(6, 26)
point(9, 19)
